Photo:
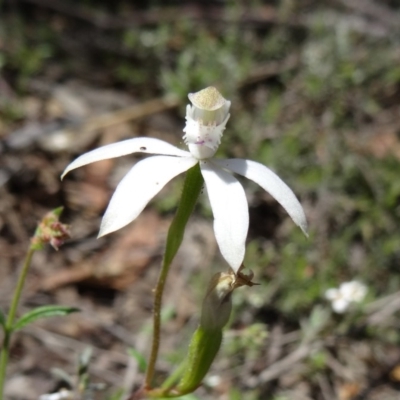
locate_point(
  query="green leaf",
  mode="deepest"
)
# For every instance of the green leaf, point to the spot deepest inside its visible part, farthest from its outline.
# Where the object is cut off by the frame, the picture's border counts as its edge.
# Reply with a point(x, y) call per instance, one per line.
point(139, 359)
point(117, 395)
point(2, 319)
point(43, 312)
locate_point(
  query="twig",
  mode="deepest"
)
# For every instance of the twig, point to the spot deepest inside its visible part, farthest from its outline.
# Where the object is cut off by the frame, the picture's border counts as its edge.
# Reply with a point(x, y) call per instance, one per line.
point(88, 129)
point(356, 23)
point(339, 369)
point(209, 14)
point(326, 389)
point(270, 69)
point(384, 313)
point(53, 340)
point(375, 10)
point(381, 302)
point(283, 365)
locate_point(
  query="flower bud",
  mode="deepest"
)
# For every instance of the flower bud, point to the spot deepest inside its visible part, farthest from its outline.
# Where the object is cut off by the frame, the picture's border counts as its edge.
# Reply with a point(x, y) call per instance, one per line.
point(217, 304)
point(50, 230)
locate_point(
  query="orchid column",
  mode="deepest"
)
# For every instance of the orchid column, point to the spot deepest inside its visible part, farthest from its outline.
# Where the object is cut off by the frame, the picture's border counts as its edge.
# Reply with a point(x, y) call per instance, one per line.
point(206, 119)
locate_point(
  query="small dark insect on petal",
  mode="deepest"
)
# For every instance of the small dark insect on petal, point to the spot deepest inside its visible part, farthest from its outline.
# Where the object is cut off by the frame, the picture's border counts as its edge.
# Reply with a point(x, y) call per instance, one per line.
point(143, 148)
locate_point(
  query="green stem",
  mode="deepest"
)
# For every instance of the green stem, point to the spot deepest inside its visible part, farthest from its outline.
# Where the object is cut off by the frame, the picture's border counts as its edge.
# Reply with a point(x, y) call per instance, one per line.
point(4, 361)
point(10, 319)
point(191, 190)
point(174, 377)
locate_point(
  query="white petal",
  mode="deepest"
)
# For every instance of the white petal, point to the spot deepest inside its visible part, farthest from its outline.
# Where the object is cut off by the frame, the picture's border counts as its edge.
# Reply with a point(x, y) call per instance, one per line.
point(332, 294)
point(139, 186)
point(231, 213)
point(271, 183)
point(353, 291)
point(135, 145)
point(340, 305)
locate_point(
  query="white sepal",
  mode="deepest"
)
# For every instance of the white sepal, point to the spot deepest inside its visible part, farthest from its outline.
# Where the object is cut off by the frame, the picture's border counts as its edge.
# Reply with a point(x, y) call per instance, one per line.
point(340, 305)
point(271, 183)
point(135, 145)
point(230, 209)
point(139, 186)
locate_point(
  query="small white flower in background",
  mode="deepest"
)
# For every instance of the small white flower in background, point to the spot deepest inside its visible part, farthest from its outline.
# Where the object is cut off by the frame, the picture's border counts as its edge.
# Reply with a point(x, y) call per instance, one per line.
point(205, 123)
point(213, 381)
point(63, 394)
point(347, 293)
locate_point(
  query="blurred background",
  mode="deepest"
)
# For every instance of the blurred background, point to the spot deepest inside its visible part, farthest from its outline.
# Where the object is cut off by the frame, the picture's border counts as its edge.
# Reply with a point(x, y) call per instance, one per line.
point(315, 90)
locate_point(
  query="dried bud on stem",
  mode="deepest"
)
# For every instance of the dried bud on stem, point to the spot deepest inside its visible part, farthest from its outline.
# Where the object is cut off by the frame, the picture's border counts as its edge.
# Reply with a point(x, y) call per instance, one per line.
point(217, 303)
point(50, 230)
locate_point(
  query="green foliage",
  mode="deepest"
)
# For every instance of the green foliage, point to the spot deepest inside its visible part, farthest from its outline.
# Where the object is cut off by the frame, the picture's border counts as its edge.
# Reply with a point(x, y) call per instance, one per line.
point(25, 53)
point(318, 360)
point(206, 59)
point(2, 319)
point(236, 394)
point(280, 397)
point(189, 396)
point(250, 338)
point(309, 128)
point(309, 132)
point(319, 320)
point(42, 312)
point(139, 357)
point(312, 125)
point(116, 395)
point(10, 111)
point(245, 345)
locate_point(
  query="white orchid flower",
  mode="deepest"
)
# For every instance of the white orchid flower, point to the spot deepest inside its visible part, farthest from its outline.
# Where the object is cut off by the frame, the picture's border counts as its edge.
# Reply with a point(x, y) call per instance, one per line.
point(347, 293)
point(205, 123)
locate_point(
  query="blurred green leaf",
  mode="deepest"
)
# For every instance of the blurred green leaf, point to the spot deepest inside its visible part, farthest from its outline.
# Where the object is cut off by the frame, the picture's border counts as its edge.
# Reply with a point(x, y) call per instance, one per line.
point(83, 367)
point(139, 357)
point(62, 376)
point(2, 319)
point(117, 395)
point(43, 312)
point(184, 397)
